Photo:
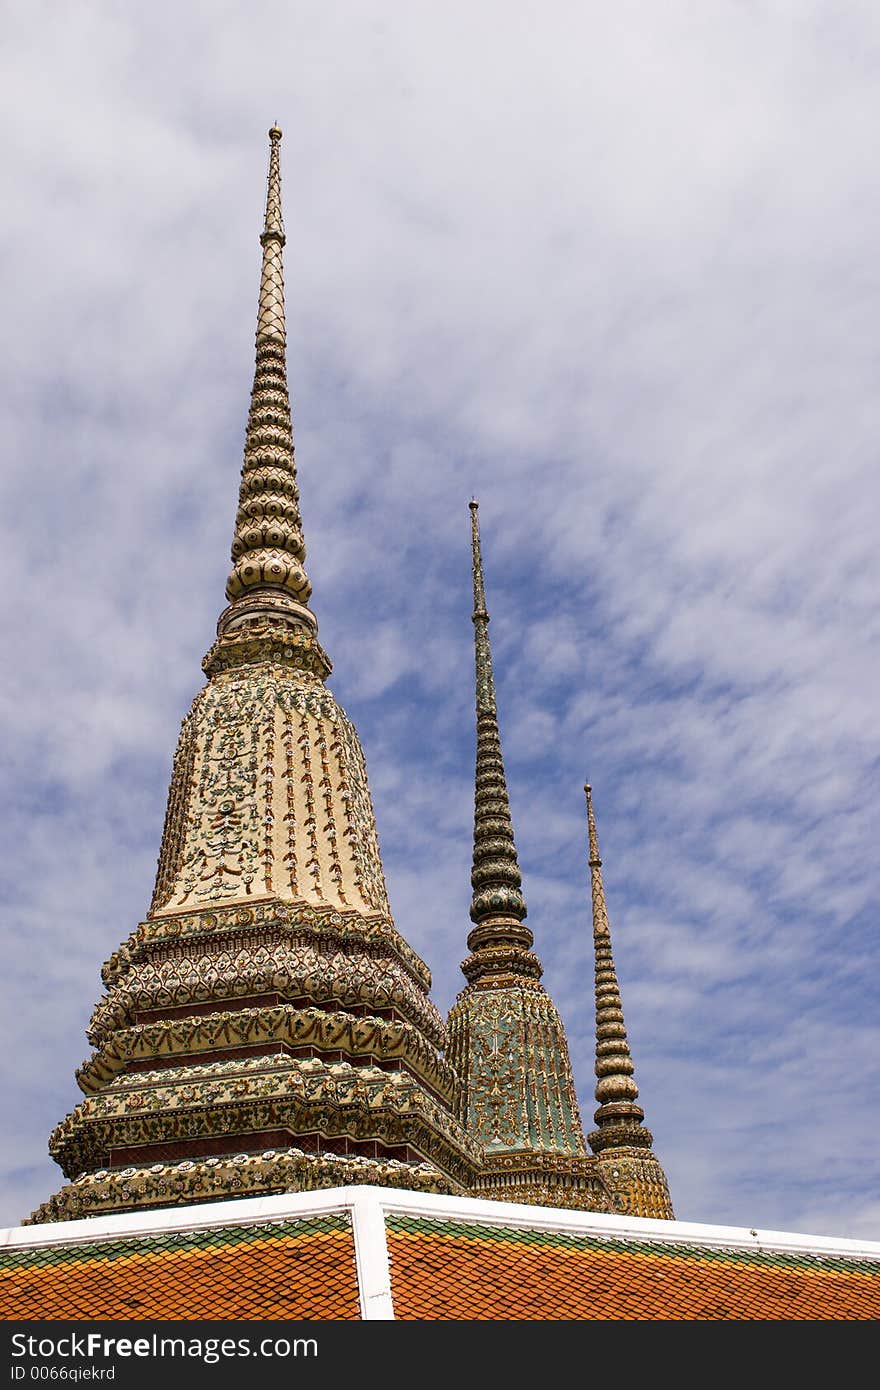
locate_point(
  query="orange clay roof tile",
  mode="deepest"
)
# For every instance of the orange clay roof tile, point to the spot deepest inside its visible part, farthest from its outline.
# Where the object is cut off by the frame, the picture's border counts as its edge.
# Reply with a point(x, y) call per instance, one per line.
point(453, 1270)
point(291, 1269)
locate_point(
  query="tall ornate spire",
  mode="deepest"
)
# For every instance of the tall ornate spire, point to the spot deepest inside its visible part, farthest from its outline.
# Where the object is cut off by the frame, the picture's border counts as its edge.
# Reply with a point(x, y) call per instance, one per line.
point(619, 1117)
point(268, 550)
point(507, 1043)
point(266, 1028)
point(270, 318)
point(497, 906)
point(630, 1171)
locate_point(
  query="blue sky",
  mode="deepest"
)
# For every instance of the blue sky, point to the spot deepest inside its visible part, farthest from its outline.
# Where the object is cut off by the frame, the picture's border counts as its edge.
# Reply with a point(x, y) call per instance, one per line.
point(614, 271)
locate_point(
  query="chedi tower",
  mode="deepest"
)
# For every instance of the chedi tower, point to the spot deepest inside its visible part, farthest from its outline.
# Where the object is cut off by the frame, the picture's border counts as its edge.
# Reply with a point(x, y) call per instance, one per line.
point(266, 1028)
point(516, 1093)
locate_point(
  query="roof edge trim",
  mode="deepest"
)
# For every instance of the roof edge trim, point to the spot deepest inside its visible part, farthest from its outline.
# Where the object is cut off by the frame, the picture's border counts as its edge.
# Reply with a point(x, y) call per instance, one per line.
point(368, 1206)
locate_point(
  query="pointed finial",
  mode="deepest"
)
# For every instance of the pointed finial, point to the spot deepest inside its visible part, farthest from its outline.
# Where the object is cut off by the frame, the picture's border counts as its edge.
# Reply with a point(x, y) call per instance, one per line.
point(497, 907)
point(618, 1117)
point(593, 840)
point(485, 679)
point(270, 319)
point(268, 578)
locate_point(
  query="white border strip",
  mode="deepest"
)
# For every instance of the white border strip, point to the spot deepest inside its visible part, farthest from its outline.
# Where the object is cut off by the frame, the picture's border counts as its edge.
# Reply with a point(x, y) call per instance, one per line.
point(518, 1215)
point(368, 1205)
point(371, 1255)
point(241, 1212)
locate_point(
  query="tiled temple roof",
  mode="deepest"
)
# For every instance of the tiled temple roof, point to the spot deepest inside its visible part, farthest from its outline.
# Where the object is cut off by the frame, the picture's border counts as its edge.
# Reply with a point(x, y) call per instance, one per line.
point(465, 1270)
point(381, 1253)
point(284, 1269)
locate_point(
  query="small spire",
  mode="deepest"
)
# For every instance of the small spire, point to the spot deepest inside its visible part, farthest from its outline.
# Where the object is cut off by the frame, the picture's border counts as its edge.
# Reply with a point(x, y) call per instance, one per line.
point(618, 1117)
point(270, 318)
point(479, 587)
point(497, 907)
point(268, 550)
point(480, 618)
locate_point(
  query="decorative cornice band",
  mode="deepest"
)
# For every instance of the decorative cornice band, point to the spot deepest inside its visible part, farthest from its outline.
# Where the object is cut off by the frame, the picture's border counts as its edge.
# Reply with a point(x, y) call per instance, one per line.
point(281, 1024)
point(348, 980)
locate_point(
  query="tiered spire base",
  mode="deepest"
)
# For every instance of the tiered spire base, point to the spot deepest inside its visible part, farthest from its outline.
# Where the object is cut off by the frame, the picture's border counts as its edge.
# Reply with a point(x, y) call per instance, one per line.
point(544, 1180)
point(635, 1183)
point(255, 1048)
point(220, 1179)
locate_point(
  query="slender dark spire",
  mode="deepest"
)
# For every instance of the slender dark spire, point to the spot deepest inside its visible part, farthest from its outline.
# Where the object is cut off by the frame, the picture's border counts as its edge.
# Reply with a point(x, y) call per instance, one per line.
point(497, 906)
point(268, 550)
point(618, 1117)
point(507, 1042)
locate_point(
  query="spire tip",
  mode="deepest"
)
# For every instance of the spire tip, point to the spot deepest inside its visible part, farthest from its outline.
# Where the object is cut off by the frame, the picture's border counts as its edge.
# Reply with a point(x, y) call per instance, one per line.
point(268, 551)
point(495, 876)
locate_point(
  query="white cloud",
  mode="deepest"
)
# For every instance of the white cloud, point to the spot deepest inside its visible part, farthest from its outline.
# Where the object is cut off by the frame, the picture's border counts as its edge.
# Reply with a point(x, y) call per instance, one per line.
point(614, 271)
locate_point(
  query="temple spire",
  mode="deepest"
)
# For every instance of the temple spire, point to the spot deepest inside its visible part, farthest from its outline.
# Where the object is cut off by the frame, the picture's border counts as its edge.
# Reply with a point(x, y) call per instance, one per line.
point(618, 1117)
point(270, 317)
point(497, 906)
point(268, 578)
point(507, 1043)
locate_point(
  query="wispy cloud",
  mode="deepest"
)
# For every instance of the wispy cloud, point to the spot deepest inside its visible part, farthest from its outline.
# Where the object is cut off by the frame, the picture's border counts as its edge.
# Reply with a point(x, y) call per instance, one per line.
point(615, 272)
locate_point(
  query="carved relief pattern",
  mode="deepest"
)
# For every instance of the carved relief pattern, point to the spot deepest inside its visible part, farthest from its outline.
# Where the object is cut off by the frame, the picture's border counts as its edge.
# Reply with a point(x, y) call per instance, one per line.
point(543, 1180)
point(268, 772)
point(243, 1175)
point(329, 827)
point(224, 840)
point(269, 794)
point(509, 1047)
point(312, 863)
point(267, 639)
point(549, 1064)
point(259, 1095)
point(327, 927)
point(636, 1183)
point(174, 831)
point(496, 1116)
point(362, 835)
point(363, 1037)
point(294, 972)
point(290, 820)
